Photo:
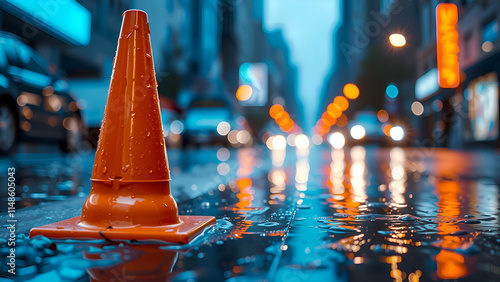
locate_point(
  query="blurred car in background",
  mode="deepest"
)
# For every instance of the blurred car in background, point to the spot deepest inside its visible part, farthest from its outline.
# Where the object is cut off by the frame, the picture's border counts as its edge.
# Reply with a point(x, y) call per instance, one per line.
point(366, 128)
point(35, 102)
point(212, 121)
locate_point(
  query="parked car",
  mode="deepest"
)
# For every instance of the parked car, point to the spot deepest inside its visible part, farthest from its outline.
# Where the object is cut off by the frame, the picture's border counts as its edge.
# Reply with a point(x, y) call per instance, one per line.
point(35, 102)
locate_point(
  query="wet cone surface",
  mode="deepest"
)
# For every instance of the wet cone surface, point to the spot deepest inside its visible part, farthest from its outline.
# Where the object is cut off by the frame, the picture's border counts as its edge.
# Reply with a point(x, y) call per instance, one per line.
point(130, 197)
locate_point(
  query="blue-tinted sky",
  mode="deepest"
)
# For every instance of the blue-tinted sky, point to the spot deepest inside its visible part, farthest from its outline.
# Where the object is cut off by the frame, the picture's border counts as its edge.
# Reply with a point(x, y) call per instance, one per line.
point(308, 27)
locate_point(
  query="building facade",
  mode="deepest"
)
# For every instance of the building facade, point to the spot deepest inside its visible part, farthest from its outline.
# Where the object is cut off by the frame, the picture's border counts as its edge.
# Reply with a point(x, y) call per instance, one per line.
point(466, 116)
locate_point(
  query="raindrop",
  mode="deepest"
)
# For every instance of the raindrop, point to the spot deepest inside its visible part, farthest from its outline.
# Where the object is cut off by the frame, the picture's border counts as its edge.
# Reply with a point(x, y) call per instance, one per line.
point(136, 26)
point(341, 229)
point(268, 224)
point(377, 205)
point(148, 55)
point(342, 215)
point(470, 221)
point(104, 169)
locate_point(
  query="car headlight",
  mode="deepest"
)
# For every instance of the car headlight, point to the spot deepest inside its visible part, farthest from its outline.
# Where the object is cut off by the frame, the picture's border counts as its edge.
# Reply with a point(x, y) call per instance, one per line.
point(358, 132)
point(397, 133)
point(337, 140)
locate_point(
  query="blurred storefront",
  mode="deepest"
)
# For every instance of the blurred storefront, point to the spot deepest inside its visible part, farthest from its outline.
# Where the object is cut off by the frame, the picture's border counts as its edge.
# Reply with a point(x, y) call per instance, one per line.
point(465, 117)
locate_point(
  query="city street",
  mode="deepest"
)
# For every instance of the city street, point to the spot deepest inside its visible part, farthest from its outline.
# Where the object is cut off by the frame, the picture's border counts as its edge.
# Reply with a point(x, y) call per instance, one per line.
point(250, 140)
point(322, 214)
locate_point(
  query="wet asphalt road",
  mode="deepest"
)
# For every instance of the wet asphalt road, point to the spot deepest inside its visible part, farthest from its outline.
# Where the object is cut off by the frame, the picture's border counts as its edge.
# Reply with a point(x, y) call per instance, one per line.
point(355, 214)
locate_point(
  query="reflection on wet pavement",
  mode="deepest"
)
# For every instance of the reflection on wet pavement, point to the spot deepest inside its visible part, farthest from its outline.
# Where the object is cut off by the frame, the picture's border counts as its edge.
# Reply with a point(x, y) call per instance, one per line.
point(353, 214)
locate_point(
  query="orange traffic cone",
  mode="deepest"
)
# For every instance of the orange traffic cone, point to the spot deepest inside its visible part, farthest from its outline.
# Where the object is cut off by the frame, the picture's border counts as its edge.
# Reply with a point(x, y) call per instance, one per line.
point(130, 197)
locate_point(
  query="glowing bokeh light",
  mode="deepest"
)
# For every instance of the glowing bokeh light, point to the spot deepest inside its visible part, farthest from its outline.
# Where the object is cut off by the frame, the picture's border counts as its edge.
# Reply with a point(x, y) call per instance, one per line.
point(223, 128)
point(301, 141)
point(342, 121)
point(397, 40)
point(392, 91)
point(279, 142)
point(383, 116)
point(417, 108)
point(244, 93)
point(487, 46)
point(337, 140)
point(275, 110)
point(342, 102)
point(397, 133)
point(358, 132)
point(387, 129)
point(351, 91)
point(334, 110)
point(328, 119)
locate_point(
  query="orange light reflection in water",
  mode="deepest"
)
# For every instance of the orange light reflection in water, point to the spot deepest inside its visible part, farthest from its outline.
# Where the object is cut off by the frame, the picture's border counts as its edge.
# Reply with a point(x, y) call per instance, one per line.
point(451, 264)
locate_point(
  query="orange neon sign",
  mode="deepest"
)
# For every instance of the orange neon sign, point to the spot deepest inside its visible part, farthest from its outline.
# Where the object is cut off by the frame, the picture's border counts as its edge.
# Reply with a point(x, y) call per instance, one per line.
point(447, 45)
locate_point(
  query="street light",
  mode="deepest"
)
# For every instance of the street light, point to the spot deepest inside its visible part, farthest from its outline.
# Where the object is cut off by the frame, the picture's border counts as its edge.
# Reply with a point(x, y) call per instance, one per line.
point(397, 40)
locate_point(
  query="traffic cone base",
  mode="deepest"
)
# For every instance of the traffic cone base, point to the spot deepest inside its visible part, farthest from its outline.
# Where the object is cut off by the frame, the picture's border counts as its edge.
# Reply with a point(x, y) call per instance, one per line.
point(130, 195)
point(183, 232)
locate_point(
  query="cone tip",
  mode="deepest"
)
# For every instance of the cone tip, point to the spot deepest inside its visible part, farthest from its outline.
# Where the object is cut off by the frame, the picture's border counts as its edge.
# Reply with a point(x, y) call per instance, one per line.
point(134, 11)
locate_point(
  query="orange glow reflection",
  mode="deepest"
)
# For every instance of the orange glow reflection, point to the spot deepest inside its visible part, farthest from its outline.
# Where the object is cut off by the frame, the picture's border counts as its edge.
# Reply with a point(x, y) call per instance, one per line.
point(450, 264)
point(245, 195)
